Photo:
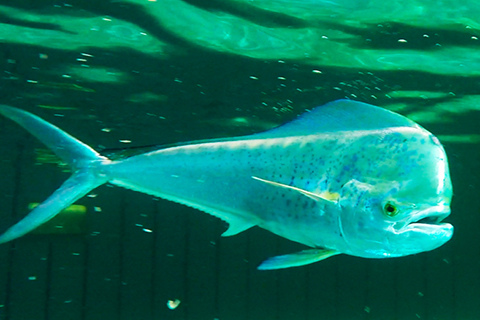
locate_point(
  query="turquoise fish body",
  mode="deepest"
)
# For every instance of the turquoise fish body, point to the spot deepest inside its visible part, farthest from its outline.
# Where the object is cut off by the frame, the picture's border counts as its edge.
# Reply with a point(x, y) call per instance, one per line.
point(346, 177)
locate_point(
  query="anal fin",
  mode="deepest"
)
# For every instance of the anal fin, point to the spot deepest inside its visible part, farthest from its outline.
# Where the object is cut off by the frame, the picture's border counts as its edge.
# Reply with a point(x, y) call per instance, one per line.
point(237, 225)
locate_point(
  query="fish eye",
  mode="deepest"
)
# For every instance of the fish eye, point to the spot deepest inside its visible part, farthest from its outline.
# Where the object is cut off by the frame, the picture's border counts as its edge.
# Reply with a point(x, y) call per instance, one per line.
point(390, 209)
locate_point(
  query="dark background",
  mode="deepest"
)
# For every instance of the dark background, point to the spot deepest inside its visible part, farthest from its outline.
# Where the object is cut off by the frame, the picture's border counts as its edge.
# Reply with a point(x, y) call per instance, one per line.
point(112, 269)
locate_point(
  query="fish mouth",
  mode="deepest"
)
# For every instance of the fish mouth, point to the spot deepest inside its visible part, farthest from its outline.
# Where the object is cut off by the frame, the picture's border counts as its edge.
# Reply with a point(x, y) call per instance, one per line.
point(431, 219)
point(431, 223)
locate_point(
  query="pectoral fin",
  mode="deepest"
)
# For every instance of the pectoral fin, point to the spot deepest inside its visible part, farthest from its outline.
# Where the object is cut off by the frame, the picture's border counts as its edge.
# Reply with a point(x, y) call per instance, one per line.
point(326, 196)
point(296, 259)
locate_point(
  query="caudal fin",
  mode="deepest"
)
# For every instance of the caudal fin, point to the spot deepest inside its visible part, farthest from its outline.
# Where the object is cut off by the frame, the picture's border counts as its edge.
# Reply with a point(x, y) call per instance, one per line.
point(84, 161)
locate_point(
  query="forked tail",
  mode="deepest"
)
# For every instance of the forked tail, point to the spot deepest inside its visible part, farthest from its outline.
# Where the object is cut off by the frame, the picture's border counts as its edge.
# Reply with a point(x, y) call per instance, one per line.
point(85, 162)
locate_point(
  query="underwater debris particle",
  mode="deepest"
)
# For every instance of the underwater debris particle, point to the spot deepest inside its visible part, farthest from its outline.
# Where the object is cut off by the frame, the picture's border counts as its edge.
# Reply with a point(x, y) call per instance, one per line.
point(173, 304)
point(55, 107)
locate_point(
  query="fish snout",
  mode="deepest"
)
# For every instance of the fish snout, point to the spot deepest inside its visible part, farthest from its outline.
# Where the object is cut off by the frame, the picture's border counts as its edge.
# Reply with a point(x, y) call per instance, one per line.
point(432, 215)
point(429, 222)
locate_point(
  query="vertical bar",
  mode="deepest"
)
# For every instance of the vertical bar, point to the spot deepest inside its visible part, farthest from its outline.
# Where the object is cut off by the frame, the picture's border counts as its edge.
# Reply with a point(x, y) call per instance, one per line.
point(439, 283)
point(66, 285)
point(201, 275)
point(233, 271)
point(381, 285)
point(169, 281)
point(138, 247)
point(263, 284)
point(292, 286)
point(28, 295)
point(11, 152)
point(466, 181)
point(322, 290)
point(411, 288)
point(352, 272)
point(104, 255)
point(66, 265)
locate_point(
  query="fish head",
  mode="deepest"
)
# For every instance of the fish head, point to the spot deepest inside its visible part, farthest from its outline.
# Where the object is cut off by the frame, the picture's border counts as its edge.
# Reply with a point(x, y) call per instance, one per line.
point(400, 210)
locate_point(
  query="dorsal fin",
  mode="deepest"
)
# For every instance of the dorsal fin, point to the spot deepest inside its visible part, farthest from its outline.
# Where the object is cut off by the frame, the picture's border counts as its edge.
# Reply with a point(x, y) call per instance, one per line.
point(340, 115)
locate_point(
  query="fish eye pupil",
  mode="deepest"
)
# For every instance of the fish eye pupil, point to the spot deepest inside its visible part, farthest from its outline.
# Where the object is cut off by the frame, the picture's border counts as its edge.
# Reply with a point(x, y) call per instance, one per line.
point(390, 209)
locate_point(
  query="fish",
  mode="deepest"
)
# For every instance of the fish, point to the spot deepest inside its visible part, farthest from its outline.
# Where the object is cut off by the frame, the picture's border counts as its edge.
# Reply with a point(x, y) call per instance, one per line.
point(343, 178)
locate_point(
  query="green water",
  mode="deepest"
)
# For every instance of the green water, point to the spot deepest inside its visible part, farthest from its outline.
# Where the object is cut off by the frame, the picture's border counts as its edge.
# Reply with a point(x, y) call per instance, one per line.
point(128, 73)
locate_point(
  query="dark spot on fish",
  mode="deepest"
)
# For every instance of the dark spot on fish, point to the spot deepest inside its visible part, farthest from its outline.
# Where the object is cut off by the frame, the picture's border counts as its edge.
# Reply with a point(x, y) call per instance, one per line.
point(305, 205)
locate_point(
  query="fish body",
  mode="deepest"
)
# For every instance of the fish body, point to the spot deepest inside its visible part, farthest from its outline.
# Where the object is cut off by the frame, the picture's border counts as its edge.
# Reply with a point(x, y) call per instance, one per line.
point(346, 178)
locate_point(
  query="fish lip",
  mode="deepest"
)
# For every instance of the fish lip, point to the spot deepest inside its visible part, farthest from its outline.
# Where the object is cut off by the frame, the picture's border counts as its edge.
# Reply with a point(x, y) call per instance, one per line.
point(431, 218)
point(440, 231)
point(430, 222)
